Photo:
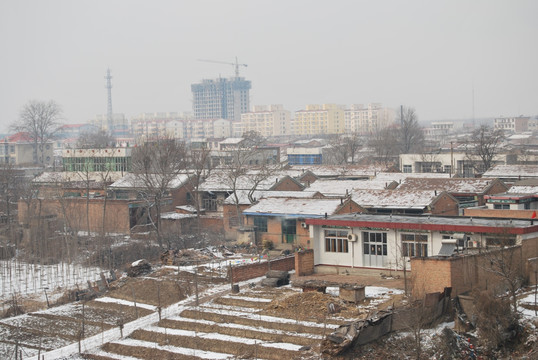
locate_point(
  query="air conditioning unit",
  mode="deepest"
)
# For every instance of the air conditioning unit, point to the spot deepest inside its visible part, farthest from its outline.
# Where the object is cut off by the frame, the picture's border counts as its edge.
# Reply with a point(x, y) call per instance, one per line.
point(304, 225)
point(351, 237)
point(473, 244)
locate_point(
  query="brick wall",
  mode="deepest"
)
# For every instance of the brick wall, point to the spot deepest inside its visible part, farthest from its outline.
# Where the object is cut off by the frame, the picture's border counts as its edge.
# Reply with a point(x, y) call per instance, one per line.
point(468, 272)
point(251, 271)
point(512, 214)
point(445, 205)
point(287, 184)
point(304, 262)
point(73, 211)
point(230, 211)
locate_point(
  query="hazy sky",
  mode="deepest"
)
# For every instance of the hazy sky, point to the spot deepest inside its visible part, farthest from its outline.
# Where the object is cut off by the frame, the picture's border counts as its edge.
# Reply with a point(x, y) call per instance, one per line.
point(426, 54)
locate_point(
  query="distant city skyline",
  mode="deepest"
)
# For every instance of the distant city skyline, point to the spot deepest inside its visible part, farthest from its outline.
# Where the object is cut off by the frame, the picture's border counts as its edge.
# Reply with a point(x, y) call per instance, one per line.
point(429, 55)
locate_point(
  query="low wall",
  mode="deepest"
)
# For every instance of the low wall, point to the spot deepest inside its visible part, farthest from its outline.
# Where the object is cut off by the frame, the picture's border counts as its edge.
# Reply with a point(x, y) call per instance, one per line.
point(467, 272)
point(252, 271)
point(304, 262)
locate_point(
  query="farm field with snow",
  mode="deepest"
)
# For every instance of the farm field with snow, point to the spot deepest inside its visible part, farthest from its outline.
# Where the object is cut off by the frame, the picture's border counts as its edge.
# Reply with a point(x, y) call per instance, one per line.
point(155, 316)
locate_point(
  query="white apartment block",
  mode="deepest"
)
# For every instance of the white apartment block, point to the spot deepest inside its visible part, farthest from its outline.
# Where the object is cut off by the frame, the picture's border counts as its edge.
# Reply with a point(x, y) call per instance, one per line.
point(368, 119)
point(270, 120)
point(512, 124)
point(319, 119)
point(456, 163)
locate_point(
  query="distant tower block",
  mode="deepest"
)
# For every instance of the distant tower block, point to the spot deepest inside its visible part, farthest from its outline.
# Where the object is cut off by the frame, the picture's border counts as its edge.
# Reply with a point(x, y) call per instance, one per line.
point(109, 114)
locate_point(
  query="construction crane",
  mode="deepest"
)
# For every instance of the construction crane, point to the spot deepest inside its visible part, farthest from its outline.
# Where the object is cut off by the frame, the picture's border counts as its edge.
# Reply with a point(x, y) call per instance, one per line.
point(236, 64)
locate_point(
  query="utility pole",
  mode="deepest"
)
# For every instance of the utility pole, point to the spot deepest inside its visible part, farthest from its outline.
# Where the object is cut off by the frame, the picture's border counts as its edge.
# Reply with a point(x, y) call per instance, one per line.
point(401, 115)
point(451, 157)
point(109, 114)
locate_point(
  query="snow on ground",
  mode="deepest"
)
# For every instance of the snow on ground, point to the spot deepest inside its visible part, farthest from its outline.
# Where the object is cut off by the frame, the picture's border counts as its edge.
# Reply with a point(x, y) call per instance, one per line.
point(107, 299)
point(259, 317)
point(33, 279)
point(222, 337)
point(174, 349)
point(245, 327)
point(247, 298)
point(378, 291)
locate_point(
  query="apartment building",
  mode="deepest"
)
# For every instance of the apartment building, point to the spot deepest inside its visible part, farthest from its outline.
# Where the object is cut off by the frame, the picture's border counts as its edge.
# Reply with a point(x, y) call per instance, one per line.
point(512, 124)
point(19, 149)
point(272, 120)
point(320, 119)
point(368, 119)
point(221, 98)
point(120, 124)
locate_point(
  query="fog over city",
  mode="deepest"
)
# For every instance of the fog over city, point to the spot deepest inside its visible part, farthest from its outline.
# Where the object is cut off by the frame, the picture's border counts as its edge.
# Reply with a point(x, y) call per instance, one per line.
point(436, 56)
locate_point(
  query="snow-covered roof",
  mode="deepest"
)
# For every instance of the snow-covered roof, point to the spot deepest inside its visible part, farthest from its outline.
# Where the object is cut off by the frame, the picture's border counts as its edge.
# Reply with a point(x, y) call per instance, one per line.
point(512, 171)
point(397, 176)
point(188, 208)
point(341, 187)
point(176, 216)
point(73, 176)
point(293, 207)
point(394, 199)
point(342, 171)
point(452, 185)
point(243, 195)
point(232, 141)
point(132, 180)
point(218, 181)
point(523, 189)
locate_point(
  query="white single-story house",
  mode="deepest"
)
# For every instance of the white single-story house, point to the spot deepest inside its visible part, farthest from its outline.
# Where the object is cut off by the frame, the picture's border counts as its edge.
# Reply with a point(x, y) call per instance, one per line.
point(387, 241)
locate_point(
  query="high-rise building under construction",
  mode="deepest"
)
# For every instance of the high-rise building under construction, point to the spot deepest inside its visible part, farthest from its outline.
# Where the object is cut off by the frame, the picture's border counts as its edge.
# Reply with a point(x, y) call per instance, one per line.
point(221, 98)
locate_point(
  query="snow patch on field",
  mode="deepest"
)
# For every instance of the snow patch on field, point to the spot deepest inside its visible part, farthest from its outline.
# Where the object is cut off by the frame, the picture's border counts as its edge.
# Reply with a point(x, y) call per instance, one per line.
point(107, 299)
point(174, 349)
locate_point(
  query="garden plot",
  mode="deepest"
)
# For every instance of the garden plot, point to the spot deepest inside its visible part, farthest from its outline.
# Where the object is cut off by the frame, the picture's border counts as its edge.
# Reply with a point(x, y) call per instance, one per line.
point(29, 279)
point(253, 324)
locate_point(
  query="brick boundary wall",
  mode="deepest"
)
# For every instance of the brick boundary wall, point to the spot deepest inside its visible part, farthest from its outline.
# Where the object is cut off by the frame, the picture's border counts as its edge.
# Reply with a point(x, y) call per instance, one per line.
point(251, 271)
point(304, 262)
point(464, 273)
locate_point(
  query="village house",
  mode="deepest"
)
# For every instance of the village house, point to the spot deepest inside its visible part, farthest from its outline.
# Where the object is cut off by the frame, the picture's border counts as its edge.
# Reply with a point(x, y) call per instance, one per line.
point(468, 191)
point(512, 173)
point(133, 186)
point(331, 187)
point(406, 202)
point(281, 220)
point(389, 241)
point(216, 188)
point(232, 206)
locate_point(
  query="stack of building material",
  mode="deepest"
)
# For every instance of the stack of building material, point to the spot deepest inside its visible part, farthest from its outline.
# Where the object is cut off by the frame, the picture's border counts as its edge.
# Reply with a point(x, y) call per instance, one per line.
point(276, 278)
point(139, 267)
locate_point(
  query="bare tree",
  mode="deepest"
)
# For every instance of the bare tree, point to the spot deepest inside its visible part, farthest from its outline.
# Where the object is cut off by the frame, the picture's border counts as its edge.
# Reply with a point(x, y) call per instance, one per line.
point(483, 146)
point(40, 120)
point(384, 143)
point(199, 166)
point(505, 264)
point(411, 136)
point(157, 165)
point(9, 183)
point(98, 139)
point(345, 148)
point(248, 154)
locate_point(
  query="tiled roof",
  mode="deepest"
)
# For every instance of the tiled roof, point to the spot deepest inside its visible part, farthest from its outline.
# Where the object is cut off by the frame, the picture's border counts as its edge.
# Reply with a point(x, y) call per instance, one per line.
point(452, 185)
point(394, 199)
point(294, 206)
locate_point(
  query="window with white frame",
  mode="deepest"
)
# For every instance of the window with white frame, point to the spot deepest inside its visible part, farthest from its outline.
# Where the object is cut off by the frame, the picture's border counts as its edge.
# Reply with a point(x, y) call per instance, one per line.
point(374, 243)
point(336, 241)
point(414, 245)
point(408, 168)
